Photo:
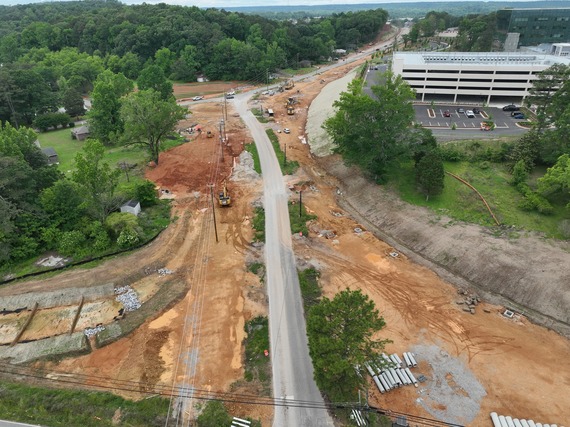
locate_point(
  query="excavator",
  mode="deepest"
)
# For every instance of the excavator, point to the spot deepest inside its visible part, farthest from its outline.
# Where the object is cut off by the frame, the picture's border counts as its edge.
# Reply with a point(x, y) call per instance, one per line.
point(225, 199)
point(290, 84)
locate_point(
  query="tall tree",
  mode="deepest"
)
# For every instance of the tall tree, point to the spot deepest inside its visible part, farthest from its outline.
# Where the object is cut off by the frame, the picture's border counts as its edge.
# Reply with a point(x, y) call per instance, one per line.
point(153, 77)
point(104, 120)
point(98, 180)
point(340, 333)
point(543, 91)
point(370, 131)
point(430, 174)
point(556, 180)
point(149, 119)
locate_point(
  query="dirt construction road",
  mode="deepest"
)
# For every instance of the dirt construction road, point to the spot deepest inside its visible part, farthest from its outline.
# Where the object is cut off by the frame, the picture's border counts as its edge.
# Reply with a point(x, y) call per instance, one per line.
point(473, 364)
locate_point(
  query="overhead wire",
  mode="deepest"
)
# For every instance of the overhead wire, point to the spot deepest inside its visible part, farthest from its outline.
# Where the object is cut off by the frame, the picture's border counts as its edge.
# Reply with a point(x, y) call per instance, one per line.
point(113, 384)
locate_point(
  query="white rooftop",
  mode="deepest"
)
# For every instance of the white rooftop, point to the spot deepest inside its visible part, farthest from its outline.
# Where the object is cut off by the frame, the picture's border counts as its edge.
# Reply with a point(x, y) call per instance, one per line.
point(480, 58)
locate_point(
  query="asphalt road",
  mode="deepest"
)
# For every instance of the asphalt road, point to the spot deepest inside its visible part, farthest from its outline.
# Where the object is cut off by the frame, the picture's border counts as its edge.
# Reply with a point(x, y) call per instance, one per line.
point(291, 364)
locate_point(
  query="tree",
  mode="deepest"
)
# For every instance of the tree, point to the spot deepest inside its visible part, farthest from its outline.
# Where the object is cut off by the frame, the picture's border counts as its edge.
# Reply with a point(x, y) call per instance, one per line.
point(98, 180)
point(149, 118)
point(153, 77)
point(340, 333)
point(73, 102)
point(430, 174)
point(543, 92)
point(371, 131)
point(557, 179)
point(105, 122)
point(214, 414)
point(526, 149)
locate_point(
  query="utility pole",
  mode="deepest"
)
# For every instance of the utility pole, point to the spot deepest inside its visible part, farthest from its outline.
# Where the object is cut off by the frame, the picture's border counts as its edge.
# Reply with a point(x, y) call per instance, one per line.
point(213, 210)
point(126, 169)
point(285, 156)
point(300, 203)
point(267, 78)
point(222, 139)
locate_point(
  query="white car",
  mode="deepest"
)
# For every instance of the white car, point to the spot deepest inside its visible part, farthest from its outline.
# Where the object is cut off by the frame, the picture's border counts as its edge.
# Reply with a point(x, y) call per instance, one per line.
point(286, 130)
point(470, 114)
point(197, 98)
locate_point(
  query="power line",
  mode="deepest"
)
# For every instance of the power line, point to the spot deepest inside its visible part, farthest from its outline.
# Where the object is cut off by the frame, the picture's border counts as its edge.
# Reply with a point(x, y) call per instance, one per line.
point(113, 384)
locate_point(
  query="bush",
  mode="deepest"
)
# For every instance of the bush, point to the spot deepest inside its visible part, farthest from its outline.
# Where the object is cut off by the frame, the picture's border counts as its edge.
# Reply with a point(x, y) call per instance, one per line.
point(451, 154)
point(535, 202)
point(145, 193)
point(51, 120)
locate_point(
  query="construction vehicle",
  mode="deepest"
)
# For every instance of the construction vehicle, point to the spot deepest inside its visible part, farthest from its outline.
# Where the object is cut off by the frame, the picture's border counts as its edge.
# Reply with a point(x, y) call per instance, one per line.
point(290, 110)
point(289, 85)
point(209, 134)
point(225, 199)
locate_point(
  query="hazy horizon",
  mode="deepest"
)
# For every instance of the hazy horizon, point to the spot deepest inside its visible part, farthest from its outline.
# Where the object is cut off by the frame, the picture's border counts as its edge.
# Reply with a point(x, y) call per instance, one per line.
point(220, 4)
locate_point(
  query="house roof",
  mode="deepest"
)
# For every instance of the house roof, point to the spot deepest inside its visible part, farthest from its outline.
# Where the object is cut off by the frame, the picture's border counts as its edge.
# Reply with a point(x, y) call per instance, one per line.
point(81, 130)
point(132, 203)
point(49, 151)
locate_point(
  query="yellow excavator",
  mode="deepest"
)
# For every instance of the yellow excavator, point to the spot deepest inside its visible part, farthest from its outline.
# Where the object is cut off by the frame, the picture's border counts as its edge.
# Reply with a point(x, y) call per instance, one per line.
point(225, 199)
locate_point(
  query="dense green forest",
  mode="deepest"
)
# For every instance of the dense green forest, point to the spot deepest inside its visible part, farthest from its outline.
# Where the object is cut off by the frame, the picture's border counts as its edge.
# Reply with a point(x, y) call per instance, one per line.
point(397, 10)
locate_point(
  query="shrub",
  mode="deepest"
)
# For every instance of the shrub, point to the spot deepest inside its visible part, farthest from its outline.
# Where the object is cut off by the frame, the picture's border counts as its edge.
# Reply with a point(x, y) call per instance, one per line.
point(451, 154)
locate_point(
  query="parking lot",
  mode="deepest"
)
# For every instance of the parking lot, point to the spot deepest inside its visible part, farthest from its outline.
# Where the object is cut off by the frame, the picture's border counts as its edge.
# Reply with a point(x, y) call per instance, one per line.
point(448, 116)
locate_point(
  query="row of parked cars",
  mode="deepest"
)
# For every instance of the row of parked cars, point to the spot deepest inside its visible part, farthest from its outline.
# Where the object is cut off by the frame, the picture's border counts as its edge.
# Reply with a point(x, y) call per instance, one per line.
point(515, 112)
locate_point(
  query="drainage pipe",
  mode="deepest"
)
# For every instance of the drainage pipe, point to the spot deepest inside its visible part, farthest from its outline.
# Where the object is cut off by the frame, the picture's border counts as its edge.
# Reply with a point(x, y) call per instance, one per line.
point(411, 375)
point(369, 369)
point(378, 384)
point(495, 419)
point(413, 359)
point(503, 421)
point(517, 422)
point(531, 423)
point(524, 423)
point(407, 359)
point(396, 378)
point(510, 422)
point(384, 382)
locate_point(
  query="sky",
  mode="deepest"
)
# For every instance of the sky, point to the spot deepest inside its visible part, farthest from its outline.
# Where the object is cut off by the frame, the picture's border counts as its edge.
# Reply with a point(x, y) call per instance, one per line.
point(238, 3)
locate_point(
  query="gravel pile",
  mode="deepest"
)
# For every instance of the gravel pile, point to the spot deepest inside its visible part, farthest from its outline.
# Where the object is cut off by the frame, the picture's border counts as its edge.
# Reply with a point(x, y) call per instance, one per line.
point(164, 271)
point(450, 385)
point(243, 170)
point(128, 297)
point(89, 332)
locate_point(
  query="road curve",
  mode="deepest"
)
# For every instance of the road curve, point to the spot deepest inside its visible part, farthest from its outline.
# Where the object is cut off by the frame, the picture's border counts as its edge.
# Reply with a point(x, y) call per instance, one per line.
point(291, 364)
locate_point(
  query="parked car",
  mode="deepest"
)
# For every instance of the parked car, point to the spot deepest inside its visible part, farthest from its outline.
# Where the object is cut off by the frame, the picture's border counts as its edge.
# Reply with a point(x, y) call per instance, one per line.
point(470, 114)
point(511, 107)
point(197, 98)
point(461, 110)
point(476, 111)
point(446, 113)
point(518, 116)
point(286, 130)
point(228, 96)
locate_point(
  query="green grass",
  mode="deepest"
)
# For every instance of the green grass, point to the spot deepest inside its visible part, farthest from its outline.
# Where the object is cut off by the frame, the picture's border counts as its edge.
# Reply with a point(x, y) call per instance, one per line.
point(252, 149)
point(255, 267)
point(299, 71)
point(257, 364)
point(310, 289)
point(77, 408)
point(258, 224)
point(65, 147)
point(288, 167)
point(259, 115)
point(459, 202)
point(299, 219)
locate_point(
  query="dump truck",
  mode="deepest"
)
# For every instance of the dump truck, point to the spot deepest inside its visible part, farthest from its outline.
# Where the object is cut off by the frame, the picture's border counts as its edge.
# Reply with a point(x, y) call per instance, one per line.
point(224, 197)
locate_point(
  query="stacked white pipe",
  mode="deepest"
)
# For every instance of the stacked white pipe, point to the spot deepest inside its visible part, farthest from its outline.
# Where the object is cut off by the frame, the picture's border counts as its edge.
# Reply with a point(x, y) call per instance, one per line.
point(388, 372)
point(507, 421)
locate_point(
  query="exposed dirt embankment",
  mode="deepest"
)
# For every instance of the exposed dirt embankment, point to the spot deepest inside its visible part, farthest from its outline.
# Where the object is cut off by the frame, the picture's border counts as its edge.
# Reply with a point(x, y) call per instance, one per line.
point(529, 274)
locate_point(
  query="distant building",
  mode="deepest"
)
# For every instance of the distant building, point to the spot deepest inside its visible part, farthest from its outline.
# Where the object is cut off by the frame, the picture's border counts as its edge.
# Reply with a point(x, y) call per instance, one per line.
point(536, 26)
point(472, 77)
point(560, 49)
point(53, 158)
point(132, 206)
